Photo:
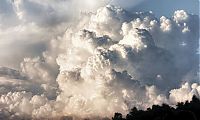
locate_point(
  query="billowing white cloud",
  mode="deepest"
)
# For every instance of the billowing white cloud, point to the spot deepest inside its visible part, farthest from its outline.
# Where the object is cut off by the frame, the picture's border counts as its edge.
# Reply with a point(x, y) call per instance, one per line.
point(186, 92)
point(107, 61)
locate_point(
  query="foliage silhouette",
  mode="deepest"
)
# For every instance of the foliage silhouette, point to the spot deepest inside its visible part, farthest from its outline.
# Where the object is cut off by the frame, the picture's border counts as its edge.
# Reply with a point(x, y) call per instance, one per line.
point(183, 111)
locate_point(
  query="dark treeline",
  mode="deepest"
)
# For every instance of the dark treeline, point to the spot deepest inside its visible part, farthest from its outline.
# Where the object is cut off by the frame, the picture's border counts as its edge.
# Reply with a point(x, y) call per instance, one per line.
point(183, 111)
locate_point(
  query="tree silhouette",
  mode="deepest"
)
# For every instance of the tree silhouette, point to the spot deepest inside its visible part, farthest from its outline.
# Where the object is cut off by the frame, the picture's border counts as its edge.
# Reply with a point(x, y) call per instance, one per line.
point(183, 111)
point(118, 116)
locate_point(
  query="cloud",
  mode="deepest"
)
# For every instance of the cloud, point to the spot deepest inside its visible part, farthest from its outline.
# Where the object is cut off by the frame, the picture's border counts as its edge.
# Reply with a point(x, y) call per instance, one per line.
point(106, 61)
point(144, 61)
point(108, 20)
point(186, 92)
point(48, 12)
point(27, 26)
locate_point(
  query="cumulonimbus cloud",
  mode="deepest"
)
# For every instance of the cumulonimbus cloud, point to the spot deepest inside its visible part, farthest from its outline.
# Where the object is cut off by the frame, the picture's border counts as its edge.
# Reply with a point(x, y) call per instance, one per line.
point(106, 61)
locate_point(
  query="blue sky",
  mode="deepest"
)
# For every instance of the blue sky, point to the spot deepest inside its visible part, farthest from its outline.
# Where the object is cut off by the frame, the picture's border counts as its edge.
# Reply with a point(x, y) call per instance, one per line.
point(161, 7)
